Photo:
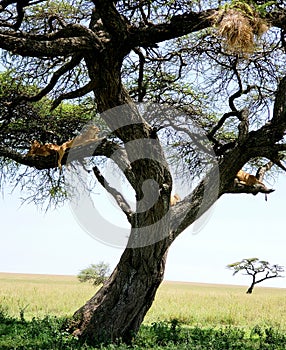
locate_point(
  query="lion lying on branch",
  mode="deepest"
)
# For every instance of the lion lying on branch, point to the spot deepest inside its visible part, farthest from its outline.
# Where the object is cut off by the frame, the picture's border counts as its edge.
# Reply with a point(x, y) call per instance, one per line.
point(251, 183)
point(248, 179)
point(48, 149)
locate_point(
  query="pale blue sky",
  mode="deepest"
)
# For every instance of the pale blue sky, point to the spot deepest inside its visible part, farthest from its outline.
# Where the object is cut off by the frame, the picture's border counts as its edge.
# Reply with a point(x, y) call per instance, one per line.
point(240, 226)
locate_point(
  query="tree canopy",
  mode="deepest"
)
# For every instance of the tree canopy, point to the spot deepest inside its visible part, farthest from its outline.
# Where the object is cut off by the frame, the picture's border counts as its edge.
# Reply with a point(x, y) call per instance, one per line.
point(215, 70)
point(95, 273)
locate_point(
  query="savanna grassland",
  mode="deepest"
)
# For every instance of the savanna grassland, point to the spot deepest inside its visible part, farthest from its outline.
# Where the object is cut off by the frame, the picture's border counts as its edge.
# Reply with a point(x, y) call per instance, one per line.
point(178, 307)
point(41, 295)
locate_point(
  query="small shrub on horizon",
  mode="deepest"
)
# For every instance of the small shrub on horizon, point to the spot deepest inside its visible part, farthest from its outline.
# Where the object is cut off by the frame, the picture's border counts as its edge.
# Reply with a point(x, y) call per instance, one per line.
point(95, 273)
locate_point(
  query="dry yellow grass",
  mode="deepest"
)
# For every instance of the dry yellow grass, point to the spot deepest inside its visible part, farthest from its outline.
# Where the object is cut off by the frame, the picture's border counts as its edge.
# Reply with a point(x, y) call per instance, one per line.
point(215, 305)
point(41, 295)
point(191, 303)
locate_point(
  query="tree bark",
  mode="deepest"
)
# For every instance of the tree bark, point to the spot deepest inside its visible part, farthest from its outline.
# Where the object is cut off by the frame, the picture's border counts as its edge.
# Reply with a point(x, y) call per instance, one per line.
point(118, 309)
point(250, 289)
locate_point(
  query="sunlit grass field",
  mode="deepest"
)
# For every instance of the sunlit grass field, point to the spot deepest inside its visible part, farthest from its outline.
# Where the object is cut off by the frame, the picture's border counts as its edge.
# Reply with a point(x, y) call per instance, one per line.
point(190, 303)
point(219, 305)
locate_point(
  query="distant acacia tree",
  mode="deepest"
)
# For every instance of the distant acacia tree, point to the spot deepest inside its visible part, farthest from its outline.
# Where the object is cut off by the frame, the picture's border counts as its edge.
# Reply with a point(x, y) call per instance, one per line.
point(95, 273)
point(256, 268)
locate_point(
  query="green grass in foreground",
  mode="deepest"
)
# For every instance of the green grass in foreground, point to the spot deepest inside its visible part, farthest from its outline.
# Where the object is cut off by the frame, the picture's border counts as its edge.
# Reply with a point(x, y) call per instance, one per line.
point(48, 333)
point(33, 309)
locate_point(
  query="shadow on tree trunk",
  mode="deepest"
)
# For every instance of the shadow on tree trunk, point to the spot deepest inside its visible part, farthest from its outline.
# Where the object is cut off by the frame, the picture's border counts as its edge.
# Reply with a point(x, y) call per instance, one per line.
point(117, 310)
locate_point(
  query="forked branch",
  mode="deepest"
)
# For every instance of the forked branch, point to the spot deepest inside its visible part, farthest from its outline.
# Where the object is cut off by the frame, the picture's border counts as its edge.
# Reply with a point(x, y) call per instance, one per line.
point(80, 92)
point(120, 200)
point(75, 60)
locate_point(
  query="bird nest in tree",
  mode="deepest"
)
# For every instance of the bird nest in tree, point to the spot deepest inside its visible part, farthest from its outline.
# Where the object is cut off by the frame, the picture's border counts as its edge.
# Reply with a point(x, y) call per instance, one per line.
point(240, 25)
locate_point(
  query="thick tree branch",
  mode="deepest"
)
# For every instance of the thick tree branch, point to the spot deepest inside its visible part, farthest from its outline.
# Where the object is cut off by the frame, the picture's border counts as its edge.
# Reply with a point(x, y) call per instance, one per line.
point(20, 158)
point(278, 18)
point(115, 23)
point(280, 147)
point(187, 210)
point(278, 122)
point(120, 200)
point(249, 190)
point(243, 127)
point(277, 158)
point(263, 142)
point(46, 48)
point(69, 40)
point(267, 277)
point(179, 25)
point(194, 205)
point(102, 147)
point(105, 148)
point(141, 86)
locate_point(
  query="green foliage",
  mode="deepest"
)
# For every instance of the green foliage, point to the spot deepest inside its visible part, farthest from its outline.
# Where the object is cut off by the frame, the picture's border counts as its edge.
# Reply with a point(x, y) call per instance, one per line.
point(263, 8)
point(249, 8)
point(46, 333)
point(241, 265)
point(25, 122)
point(166, 332)
point(37, 120)
point(95, 273)
point(50, 333)
point(253, 266)
point(64, 8)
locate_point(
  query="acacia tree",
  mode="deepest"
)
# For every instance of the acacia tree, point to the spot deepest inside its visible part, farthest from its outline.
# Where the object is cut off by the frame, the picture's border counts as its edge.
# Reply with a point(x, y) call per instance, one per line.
point(204, 58)
point(256, 268)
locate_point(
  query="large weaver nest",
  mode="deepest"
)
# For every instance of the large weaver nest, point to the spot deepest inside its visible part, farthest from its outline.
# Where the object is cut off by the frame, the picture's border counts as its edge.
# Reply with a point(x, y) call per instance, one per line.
point(240, 25)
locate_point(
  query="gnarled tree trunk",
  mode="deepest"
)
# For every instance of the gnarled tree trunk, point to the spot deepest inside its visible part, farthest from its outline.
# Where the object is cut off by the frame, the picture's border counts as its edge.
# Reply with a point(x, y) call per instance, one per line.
point(118, 309)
